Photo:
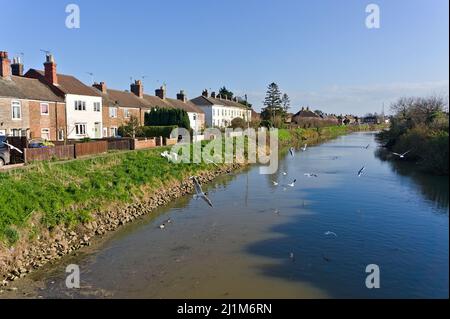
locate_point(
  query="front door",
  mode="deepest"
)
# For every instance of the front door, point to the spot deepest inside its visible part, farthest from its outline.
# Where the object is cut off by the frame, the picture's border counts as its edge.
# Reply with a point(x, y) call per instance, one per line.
point(98, 130)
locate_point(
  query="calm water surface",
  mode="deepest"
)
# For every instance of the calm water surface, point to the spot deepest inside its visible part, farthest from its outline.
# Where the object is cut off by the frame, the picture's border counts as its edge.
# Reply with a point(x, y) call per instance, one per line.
point(390, 216)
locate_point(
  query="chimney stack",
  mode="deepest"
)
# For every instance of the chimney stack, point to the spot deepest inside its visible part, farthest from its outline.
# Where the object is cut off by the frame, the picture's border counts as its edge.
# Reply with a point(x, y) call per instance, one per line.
point(101, 87)
point(205, 93)
point(5, 65)
point(161, 92)
point(50, 70)
point(137, 88)
point(17, 67)
point(213, 95)
point(182, 96)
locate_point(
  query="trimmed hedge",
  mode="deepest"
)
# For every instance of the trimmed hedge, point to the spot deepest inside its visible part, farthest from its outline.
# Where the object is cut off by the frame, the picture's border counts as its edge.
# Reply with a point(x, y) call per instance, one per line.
point(157, 131)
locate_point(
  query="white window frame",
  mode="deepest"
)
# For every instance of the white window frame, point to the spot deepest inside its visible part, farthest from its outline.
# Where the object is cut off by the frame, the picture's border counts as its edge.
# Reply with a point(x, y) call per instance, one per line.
point(61, 136)
point(48, 132)
point(113, 112)
point(97, 107)
point(16, 103)
point(78, 131)
point(80, 105)
point(126, 113)
point(113, 131)
point(48, 108)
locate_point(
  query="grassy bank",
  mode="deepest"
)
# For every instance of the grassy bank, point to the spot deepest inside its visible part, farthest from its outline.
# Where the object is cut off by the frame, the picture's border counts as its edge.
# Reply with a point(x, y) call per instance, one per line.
point(67, 192)
point(312, 135)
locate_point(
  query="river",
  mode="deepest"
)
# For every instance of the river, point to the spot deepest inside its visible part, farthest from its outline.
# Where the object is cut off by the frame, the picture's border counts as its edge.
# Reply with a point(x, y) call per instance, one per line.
point(266, 241)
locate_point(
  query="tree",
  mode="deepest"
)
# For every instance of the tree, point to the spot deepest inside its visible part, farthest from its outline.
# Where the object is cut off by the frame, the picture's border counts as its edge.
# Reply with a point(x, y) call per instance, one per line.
point(226, 93)
point(238, 123)
point(167, 117)
point(130, 129)
point(272, 102)
point(285, 102)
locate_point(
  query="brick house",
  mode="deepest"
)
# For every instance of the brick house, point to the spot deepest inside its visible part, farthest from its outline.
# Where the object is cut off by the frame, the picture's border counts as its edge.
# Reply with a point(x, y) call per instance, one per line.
point(28, 107)
point(118, 108)
point(83, 103)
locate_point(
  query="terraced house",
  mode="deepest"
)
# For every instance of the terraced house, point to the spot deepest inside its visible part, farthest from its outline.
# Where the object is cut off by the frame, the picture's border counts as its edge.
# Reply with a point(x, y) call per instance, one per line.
point(220, 111)
point(83, 103)
point(119, 107)
point(28, 107)
point(196, 114)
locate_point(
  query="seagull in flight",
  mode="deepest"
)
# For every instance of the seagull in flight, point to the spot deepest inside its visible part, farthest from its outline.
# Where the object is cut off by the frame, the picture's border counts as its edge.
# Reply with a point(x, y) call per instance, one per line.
point(361, 171)
point(367, 147)
point(275, 183)
point(401, 155)
point(293, 183)
point(328, 233)
point(199, 192)
point(304, 147)
point(311, 175)
point(292, 152)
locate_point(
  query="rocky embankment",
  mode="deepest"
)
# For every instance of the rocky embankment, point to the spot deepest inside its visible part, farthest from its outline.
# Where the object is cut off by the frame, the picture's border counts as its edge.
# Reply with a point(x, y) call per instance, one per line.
point(52, 245)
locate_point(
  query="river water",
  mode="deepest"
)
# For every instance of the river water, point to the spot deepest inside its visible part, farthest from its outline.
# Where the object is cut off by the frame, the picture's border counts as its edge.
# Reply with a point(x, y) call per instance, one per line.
point(266, 241)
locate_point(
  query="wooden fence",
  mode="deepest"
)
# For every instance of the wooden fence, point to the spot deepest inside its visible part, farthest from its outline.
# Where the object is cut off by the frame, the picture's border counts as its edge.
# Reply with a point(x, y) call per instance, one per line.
point(90, 148)
point(62, 152)
point(122, 144)
point(76, 150)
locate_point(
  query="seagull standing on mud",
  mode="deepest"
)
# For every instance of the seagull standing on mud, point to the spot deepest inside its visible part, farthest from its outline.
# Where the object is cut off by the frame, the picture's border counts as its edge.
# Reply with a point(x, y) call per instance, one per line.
point(304, 148)
point(199, 192)
point(275, 183)
point(401, 155)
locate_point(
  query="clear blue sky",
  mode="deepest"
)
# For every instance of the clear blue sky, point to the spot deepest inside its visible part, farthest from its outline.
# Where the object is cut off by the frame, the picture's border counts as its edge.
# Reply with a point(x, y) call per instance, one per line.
point(319, 52)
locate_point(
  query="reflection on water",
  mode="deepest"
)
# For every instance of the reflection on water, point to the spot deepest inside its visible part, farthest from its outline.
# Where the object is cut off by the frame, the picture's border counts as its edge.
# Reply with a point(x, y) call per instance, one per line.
point(435, 188)
point(242, 248)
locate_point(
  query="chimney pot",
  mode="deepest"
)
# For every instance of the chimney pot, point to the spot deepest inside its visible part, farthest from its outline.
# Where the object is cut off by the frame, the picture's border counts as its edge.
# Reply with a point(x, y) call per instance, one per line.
point(101, 87)
point(5, 65)
point(137, 88)
point(17, 67)
point(50, 70)
point(213, 95)
point(161, 92)
point(205, 93)
point(182, 96)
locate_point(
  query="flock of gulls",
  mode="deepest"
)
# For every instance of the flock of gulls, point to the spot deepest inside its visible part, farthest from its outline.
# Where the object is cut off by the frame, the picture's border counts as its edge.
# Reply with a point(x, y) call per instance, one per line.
point(200, 194)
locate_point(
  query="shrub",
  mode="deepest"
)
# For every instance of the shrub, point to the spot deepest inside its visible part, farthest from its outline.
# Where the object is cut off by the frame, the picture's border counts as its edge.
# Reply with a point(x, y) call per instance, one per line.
point(166, 117)
point(157, 131)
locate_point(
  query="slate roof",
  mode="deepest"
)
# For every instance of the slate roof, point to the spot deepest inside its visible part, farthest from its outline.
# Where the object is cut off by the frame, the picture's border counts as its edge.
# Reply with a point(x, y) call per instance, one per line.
point(25, 88)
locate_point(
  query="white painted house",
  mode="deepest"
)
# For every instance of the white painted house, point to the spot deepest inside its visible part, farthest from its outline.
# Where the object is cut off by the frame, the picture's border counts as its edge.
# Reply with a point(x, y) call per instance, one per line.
point(83, 103)
point(219, 112)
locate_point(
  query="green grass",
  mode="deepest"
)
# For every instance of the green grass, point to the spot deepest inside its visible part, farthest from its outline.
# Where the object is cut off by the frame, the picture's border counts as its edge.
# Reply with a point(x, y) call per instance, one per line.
point(67, 192)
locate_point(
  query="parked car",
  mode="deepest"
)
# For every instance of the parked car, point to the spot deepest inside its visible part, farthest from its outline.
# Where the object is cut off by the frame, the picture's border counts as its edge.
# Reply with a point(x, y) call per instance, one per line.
point(4, 152)
point(39, 143)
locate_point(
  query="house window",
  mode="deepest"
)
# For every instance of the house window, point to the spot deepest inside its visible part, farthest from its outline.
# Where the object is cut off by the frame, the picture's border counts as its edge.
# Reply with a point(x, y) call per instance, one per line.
point(126, 113)
point(105, 132)
point(114, 131)
point(61, 135)
point(113, 112)
point(16, 132)
point(96, 106)
point(45, 134)
point(44, 109)
point(80, 128)
point(80, 106)
point(16, 110)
